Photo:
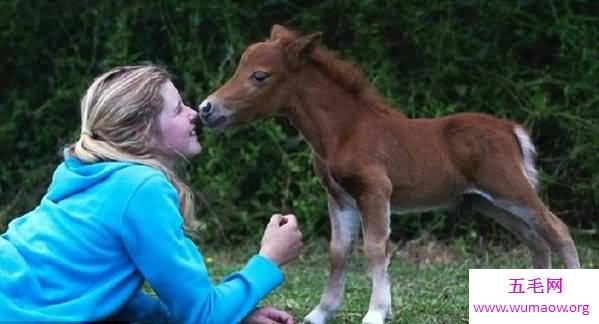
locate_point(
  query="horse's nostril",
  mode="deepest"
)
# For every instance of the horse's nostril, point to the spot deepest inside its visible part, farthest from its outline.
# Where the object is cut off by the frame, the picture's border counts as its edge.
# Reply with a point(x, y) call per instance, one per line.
point(206, 108)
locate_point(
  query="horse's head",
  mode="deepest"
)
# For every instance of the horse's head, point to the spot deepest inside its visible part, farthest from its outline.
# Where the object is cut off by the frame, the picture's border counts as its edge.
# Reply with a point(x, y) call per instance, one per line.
point(262, 82)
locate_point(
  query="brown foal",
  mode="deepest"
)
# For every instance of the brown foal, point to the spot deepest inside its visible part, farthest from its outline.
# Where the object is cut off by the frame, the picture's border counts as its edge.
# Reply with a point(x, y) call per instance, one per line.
point(372, 159)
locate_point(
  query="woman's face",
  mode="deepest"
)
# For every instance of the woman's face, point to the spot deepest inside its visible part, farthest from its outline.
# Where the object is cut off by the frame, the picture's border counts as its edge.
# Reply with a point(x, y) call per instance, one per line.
point(176, 135)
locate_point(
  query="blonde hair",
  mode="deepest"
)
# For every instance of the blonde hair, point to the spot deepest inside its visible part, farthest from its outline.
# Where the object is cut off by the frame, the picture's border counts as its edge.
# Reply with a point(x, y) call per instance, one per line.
point(118, 117)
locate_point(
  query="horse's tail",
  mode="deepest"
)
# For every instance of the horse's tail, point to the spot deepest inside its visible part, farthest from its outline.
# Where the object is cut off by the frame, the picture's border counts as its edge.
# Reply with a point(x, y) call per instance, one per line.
point(529, 152)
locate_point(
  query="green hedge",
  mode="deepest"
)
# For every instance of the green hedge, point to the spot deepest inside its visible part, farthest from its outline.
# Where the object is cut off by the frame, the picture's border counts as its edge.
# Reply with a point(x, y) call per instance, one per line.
point(536, 62)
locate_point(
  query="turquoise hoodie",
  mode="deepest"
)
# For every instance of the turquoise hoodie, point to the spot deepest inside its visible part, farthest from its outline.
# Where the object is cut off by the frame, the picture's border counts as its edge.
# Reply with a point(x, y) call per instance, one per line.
point(103, 229)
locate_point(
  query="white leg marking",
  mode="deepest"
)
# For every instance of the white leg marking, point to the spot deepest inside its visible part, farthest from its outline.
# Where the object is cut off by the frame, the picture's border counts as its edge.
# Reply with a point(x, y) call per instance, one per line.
point(380, 300)
point(345, 223)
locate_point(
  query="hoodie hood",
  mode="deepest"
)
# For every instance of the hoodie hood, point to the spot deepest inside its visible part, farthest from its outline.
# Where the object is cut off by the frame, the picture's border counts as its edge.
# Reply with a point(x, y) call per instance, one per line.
point(76, 176)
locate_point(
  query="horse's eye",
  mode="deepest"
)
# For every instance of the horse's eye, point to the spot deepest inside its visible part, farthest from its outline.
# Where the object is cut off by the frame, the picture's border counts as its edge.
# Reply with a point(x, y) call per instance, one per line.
point(260, 76)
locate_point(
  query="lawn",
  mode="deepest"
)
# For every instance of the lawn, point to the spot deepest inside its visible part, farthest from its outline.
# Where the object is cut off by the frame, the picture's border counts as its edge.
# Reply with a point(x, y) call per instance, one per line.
point(429, 278)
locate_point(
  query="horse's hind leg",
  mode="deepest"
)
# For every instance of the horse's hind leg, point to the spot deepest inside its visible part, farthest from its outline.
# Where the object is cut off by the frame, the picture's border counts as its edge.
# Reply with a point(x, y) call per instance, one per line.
point(558, 236)
point(515, 223)
point(345, 224)
point(512, 192)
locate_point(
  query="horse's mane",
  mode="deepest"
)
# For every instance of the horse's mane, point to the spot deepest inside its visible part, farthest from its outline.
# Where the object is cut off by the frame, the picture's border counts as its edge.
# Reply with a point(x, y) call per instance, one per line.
point(348, 75)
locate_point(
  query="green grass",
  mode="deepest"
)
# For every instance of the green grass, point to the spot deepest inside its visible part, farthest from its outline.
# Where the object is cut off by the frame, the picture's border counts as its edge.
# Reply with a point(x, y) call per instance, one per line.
point(429, 279)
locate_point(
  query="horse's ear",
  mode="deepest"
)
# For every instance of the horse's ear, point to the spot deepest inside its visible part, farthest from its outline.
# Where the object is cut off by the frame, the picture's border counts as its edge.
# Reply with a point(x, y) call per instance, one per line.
point(300, 48)
point(279, 32)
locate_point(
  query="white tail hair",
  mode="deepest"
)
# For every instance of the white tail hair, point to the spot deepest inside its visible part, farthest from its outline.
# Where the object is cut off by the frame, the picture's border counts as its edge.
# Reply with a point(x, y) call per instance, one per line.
point(528, 156)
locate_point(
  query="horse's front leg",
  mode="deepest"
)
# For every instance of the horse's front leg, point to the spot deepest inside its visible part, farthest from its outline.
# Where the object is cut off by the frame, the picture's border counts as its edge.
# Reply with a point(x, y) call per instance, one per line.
point(345, 223)
point(375, 208)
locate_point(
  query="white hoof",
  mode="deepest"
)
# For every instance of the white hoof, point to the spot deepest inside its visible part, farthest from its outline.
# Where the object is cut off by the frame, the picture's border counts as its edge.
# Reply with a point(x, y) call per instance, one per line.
point(318, 316)
point(374, 317)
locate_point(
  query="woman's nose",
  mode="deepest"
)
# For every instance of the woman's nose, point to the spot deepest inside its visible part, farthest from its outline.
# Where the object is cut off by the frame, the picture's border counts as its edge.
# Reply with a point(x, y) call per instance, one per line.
point(193, 115)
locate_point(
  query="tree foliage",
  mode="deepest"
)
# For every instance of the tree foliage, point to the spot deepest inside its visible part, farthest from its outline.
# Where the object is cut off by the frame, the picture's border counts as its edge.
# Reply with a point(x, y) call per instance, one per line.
point(536, 62)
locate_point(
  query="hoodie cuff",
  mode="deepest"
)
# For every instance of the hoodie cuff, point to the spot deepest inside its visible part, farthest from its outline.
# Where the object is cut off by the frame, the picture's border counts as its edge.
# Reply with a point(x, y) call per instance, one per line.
point(270, 275)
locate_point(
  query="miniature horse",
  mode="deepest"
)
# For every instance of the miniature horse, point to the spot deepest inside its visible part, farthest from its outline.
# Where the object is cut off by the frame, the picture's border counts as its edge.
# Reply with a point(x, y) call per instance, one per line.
point(371, 158)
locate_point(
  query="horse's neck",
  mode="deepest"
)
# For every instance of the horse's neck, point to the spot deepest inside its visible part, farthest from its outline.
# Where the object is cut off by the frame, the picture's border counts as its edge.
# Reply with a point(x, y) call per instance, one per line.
point(323, 112)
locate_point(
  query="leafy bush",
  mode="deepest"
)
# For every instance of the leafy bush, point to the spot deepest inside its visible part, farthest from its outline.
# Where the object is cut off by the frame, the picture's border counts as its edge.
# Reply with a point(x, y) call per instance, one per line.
point(534, 62)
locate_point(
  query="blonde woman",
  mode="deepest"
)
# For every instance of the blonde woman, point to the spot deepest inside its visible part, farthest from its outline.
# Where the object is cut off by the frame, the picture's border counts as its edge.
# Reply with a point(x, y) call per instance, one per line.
point(115, 216)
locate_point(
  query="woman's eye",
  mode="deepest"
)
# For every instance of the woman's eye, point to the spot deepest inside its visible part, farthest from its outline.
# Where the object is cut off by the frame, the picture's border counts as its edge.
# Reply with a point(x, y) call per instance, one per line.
point(260, 76)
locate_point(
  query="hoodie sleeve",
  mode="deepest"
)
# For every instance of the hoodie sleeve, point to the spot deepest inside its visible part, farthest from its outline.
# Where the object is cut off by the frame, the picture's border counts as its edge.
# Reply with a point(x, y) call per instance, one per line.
point(142, 308)
point(152, 232)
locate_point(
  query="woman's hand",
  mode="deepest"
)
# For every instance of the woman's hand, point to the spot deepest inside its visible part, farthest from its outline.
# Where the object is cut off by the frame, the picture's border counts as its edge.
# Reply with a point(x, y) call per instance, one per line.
point(282, 239)
point(268, 315)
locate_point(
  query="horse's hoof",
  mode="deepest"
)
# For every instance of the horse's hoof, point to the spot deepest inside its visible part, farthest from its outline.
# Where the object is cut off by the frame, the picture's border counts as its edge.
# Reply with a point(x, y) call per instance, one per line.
point(374, 317)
